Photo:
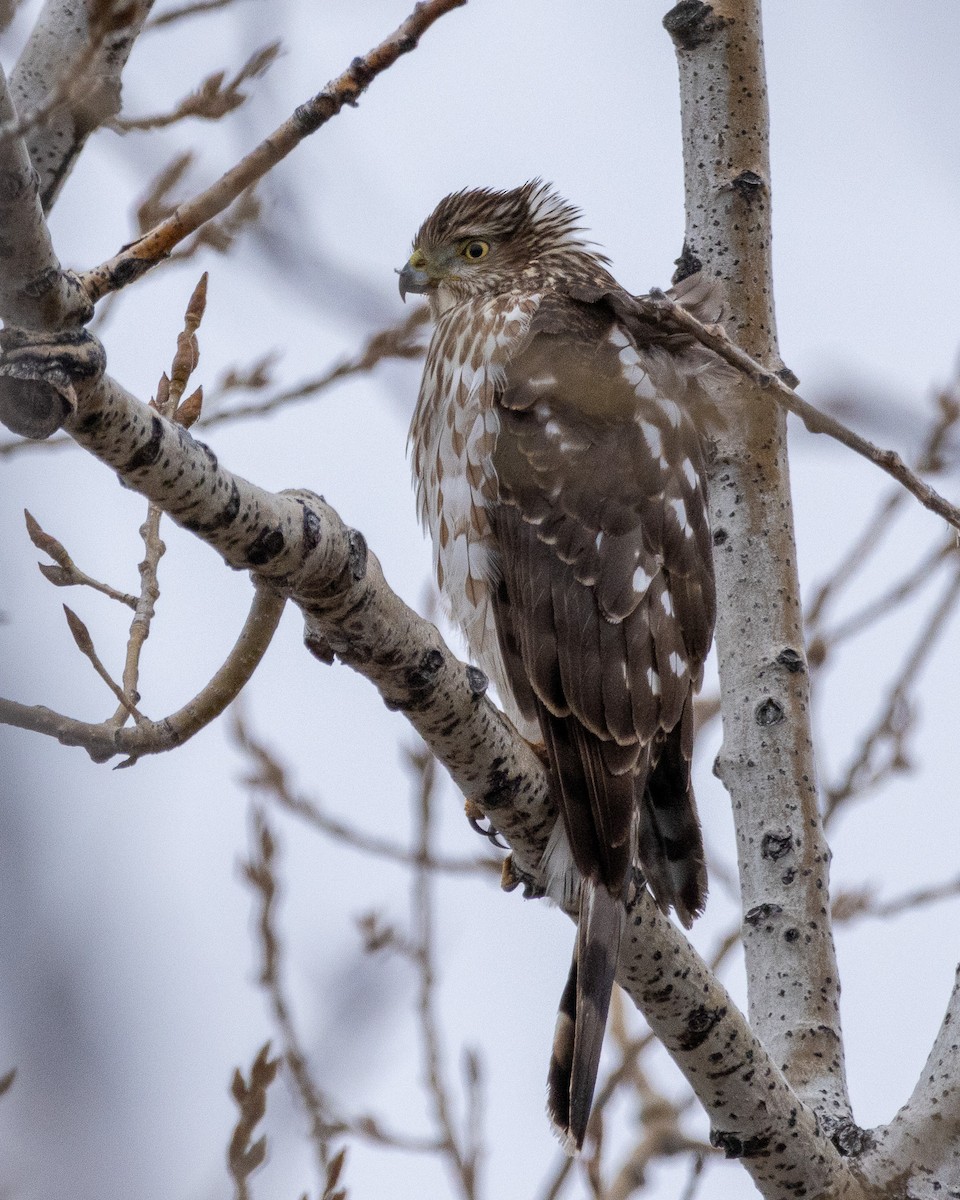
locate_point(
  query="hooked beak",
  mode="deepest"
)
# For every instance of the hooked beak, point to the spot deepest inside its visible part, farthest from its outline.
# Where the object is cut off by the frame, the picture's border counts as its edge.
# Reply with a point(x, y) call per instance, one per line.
point(413, 278)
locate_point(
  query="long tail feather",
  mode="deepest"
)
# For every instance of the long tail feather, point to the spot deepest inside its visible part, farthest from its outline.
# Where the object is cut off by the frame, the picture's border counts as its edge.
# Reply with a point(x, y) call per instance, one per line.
point(583, 1014)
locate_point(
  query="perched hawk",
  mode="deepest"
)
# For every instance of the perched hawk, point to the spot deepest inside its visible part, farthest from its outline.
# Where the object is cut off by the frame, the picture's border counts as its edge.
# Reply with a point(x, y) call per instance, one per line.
point(559, 470)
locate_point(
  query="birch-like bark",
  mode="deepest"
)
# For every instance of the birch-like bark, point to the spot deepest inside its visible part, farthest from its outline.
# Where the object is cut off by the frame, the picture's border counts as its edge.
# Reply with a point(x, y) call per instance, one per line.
point(59, 42)
point(766, 761)
point(35, 291)
point(922, 1142)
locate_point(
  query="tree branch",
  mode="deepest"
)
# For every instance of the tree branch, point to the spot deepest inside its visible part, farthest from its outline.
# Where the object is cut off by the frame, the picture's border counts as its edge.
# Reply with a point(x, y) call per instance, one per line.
point(771, 384)
point(105, 741)
point(766, 761)
point(925, 1133)
point(96, 38)
point(147, 251)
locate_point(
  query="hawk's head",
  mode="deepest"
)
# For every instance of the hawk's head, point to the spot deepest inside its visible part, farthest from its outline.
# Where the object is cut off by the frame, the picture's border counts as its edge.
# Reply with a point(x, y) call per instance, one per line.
point(480, 242)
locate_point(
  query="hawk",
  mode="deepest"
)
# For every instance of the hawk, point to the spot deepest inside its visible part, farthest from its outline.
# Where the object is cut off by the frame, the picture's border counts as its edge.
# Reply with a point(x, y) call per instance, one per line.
point(558, 462)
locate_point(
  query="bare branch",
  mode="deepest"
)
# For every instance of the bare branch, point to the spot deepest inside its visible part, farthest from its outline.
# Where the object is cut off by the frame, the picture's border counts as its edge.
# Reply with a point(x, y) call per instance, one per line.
point(880, 606)
point(197, 8)
point(269, 779)
point(212, 100)
point(771, 384)
point(243, 1155)
point(104, 741)
point(259, 873)
point(893, 723)
point(925, 1133)
point(167, 402)
point(64, 33)
point(463, 1165)
point(346, 89)
point(66, 573)
point(81, 635)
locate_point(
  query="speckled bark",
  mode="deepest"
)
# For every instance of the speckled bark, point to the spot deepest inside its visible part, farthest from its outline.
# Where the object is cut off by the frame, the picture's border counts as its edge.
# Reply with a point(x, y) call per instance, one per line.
point(34, 291)
point(767, 761)
point(918, 1153)
point(60, 35)
point(754, 1113)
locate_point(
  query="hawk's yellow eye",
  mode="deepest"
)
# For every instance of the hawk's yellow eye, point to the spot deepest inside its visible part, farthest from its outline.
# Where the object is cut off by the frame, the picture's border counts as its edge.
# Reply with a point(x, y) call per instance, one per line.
point(475, 250)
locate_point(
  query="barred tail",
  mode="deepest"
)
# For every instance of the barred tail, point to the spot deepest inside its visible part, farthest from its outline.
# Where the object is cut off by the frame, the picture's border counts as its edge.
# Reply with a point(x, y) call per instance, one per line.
point(670, 842)
point(582, 1017)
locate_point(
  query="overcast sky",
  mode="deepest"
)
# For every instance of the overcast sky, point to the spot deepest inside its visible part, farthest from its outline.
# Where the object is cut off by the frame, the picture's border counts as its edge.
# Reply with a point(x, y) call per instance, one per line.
point(127, 976)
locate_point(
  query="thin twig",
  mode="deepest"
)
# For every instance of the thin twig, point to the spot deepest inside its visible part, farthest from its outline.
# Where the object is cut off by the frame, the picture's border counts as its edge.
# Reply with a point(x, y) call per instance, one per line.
point(81, 635)
point(715, 338)
point(133, 261)
point(106, 740)
point(167, 403)
point(913, 579)
point(259, 873)
point(197, 8)
point(269, 778)
point(930, 459)
point(893, 722)
point(66, 573)
point(210, 101)
point(463, 1163)
point(399, 341)
point(243, 1155)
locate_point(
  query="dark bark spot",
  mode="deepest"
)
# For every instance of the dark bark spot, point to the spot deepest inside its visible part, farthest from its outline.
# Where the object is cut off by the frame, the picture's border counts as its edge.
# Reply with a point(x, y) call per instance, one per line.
point(311, 529)
point(319, 647)
point(127, 271)
point(692, 23)
point(791, 935)
point(733, 1146)
point(770, 712)
point(791, 660)
point(788, 377)
point(776, 844)
point(502, 788)
point(358, 555)
point(749, 185)
point(762, 912)
point(423, 677)
point(360, 69)
point(700, 1022)
point(850, 1139)
point(149, 452)
point(720, 537)
point(477, 682)
point(266, 546)
point(687, 264)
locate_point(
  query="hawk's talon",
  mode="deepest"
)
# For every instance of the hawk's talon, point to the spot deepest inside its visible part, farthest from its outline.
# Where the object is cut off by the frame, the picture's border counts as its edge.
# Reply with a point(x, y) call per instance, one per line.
point(475, 815)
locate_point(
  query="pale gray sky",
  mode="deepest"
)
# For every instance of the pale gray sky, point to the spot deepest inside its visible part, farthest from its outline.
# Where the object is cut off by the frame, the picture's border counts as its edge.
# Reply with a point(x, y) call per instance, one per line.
point(128, 991)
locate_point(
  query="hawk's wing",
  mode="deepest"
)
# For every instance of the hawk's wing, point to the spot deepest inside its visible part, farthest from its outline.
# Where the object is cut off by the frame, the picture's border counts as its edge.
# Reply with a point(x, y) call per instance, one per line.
point(605, 601)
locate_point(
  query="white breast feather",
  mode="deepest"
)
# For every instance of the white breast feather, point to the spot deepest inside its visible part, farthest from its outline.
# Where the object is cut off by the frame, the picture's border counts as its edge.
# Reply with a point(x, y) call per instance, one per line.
point(453, 436)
